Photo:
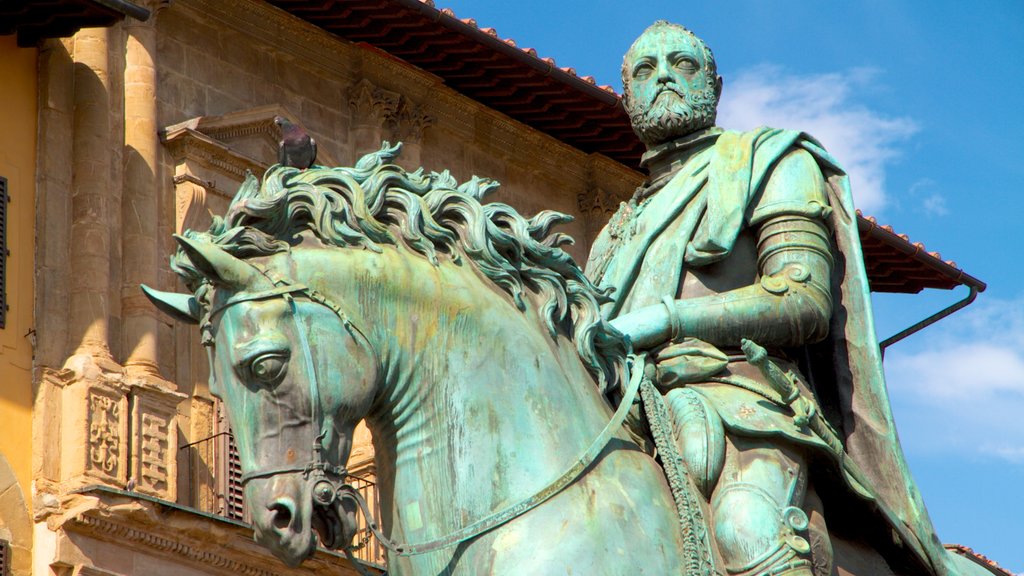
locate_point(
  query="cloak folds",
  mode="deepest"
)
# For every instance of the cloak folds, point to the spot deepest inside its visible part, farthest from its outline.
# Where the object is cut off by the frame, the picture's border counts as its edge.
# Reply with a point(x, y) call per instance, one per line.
point(704, 208)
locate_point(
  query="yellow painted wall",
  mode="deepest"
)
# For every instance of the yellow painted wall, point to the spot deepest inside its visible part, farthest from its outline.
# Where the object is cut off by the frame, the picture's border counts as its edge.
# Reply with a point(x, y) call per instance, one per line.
point(17, 164)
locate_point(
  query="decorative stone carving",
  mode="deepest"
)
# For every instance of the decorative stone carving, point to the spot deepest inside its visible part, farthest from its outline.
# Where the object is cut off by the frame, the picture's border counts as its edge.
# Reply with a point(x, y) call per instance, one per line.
point(94, 428)
point(600, 203)
point(153, 459)
point(154, 440)
point(189, 200)
point(105, 415)
point(167, 538)
point(413, 120)
point(372, 105)
point(203, 454)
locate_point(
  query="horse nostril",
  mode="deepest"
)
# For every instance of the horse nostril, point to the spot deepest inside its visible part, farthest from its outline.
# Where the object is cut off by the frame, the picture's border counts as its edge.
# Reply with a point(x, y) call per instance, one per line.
point(281, 513)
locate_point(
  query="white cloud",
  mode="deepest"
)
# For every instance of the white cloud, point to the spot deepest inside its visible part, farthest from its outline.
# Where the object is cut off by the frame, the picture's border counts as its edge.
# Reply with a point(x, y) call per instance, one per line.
point(825, 106)
point(961, 388)
point(935, 205)
point(931, 203)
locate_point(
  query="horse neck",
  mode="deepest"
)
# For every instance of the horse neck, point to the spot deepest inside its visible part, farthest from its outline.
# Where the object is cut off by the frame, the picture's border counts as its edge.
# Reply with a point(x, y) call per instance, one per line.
point(480, 407)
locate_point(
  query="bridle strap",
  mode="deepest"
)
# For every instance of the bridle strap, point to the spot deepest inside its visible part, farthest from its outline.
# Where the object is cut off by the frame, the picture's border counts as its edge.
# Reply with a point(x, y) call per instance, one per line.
point(284, 288)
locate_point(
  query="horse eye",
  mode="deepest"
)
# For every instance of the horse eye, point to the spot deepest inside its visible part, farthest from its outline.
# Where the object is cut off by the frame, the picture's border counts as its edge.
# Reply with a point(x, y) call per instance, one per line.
point(268, 367)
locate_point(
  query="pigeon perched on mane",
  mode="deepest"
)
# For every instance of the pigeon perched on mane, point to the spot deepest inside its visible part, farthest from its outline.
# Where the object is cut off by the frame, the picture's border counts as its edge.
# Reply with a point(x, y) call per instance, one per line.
point(296, 148)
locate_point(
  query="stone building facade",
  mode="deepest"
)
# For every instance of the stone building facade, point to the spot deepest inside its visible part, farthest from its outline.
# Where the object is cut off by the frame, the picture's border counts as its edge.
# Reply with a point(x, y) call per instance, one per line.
point(151, 125)
point(144, 129)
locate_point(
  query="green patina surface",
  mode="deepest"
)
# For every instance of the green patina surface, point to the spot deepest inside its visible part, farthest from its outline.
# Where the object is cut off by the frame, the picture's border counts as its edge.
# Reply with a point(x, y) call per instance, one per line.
point(486, 363)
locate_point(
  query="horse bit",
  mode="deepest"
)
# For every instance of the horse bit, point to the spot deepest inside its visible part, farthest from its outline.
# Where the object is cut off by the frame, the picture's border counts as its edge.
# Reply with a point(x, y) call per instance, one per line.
point(328, 480)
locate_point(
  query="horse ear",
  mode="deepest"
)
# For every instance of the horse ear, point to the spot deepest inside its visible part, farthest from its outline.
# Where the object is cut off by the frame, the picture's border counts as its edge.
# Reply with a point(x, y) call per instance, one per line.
point(183, 307)
point(217, 265)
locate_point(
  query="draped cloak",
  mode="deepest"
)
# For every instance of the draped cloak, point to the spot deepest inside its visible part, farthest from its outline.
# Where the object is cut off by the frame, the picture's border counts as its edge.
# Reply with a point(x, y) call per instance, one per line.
point(695, 220)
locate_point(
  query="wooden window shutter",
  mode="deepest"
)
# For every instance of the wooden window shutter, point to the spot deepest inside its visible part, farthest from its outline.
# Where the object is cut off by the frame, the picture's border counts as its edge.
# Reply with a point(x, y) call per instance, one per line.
point(5, 558)
point(229, 472)
point(4, 252)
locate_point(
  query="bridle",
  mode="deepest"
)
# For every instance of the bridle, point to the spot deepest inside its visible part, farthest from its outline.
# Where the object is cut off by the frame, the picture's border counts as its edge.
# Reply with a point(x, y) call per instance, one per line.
point(329, 481)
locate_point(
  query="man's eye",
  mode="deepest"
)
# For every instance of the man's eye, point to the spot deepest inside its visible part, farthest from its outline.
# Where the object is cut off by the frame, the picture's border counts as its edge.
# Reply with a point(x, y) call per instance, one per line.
point(686, 64)
point(642, 70)
point(269, 368)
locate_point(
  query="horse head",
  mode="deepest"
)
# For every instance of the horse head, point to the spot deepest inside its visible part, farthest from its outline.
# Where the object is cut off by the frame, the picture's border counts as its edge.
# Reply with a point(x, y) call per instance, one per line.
point(274, 345)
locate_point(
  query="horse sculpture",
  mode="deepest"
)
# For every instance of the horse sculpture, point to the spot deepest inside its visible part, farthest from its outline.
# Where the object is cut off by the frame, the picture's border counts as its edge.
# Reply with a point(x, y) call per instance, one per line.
point(470, 343)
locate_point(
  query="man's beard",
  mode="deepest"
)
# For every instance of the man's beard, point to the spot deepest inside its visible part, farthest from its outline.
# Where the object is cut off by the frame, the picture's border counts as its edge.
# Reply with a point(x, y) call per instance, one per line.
point(673, 115)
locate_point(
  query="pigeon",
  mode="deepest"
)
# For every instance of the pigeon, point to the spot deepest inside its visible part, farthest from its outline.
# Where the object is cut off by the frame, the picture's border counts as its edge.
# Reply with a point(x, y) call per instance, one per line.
point(296, 148)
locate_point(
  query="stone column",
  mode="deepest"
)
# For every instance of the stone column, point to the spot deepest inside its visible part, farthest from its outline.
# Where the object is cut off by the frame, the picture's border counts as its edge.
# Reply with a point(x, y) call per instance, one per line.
point(90, 187)
point(139, 208)
point(372, 109)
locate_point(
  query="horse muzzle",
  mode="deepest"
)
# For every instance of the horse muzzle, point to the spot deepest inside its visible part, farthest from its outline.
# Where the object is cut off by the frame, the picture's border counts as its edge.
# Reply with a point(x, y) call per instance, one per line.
point(283, 516)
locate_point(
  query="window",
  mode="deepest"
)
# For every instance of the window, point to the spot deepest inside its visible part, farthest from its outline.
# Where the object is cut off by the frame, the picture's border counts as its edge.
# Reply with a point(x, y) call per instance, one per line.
point(229, 472)
point(5, 558)
point(4, 252)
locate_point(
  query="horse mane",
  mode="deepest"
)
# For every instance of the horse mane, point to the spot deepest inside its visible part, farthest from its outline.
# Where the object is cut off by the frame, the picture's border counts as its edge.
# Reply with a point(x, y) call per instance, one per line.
point(377, 203)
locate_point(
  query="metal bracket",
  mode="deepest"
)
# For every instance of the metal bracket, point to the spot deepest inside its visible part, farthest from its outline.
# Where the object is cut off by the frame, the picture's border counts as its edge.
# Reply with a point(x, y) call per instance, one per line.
point(929, 320)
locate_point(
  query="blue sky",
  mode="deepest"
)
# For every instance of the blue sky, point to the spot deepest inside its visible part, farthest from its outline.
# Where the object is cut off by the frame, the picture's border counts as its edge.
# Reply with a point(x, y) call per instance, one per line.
point(922, 103)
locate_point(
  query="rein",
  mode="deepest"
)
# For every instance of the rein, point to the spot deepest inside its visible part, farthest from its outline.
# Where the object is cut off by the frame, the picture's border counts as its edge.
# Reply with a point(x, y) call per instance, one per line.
point(329, 484)
point(525, 505)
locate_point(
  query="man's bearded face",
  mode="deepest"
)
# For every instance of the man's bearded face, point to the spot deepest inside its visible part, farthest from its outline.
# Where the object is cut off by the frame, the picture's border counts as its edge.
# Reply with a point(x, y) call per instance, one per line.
point(670, 92)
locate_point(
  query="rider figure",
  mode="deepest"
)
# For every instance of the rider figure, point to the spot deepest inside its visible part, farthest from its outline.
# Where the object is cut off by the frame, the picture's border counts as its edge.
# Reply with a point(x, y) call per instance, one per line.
point(734, 236)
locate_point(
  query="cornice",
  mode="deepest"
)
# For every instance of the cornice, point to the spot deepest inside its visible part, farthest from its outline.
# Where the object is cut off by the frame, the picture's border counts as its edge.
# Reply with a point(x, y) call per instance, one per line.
point(189, 144)
point(179, 535)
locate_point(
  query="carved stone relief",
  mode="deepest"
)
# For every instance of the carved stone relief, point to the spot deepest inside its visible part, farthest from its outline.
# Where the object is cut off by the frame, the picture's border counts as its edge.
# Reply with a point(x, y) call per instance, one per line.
point(94, 427)
point(413, 119)
point(599, 203)
point(372, 105)
point(105, 449)
point(154, 441)
point(153, 459)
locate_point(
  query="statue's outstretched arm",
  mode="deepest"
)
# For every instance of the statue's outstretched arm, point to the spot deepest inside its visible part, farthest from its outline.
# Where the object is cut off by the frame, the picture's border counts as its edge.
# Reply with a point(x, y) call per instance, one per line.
point(790, 305)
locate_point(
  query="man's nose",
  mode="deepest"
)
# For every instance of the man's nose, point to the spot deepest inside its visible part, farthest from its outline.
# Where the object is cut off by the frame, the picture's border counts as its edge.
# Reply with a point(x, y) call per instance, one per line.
point(664, 74)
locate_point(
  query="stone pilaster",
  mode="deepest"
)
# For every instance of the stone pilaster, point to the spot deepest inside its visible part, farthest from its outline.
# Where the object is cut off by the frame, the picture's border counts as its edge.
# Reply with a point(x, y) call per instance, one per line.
point(373, 109)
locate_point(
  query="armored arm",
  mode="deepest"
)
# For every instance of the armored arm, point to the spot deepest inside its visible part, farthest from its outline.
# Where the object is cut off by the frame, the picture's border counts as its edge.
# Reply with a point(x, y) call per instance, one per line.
point(791, 304)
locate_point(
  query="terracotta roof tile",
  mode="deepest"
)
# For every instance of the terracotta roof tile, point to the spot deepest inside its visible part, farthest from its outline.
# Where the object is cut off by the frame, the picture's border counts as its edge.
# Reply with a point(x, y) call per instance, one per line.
point(895, 264)
point(979, 559)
